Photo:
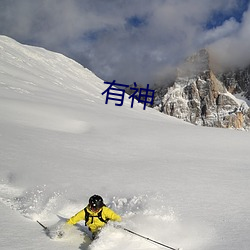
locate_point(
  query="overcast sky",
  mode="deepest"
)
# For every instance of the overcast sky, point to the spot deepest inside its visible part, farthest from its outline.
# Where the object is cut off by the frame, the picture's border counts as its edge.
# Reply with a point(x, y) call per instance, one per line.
point(131, 40)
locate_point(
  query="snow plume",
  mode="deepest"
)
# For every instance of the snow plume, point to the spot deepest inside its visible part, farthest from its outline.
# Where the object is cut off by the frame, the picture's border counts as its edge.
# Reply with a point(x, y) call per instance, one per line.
point(147, 215)
point(35, 203)
point(129, 41)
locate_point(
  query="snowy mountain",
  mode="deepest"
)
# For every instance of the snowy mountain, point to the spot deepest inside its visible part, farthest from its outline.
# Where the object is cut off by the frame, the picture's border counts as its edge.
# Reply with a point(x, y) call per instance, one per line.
point(237, 81)
point(204, 97)
point(183, 185)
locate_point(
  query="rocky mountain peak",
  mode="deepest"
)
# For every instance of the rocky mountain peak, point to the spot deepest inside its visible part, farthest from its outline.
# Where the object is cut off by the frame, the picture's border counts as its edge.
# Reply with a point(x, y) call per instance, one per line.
point(196, 64)
point(237, 81)
point(199, 96)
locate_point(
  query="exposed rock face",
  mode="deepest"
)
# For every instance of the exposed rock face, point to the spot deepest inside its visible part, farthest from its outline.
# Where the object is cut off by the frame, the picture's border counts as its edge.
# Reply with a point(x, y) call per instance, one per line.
point(237, 81)
point(199, 97)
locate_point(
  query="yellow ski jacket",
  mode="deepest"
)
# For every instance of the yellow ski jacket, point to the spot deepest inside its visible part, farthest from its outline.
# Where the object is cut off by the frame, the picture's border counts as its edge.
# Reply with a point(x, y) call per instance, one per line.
point(94, 223)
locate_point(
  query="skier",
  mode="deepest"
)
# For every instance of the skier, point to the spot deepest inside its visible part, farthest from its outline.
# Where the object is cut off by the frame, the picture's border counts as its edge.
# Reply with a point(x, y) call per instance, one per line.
point(95, 214)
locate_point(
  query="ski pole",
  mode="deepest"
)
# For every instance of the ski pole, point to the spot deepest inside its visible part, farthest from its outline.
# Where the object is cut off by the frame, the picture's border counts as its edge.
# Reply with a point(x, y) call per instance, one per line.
point(45, 228)
point(146, 238)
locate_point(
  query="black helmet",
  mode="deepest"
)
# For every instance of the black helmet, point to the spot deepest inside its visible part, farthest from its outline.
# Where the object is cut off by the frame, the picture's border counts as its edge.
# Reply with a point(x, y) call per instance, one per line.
point(95, 202)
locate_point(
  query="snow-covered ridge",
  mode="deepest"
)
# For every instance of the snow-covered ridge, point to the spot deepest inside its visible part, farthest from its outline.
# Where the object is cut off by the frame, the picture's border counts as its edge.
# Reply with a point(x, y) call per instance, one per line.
point(33, 74)
point(38, 66)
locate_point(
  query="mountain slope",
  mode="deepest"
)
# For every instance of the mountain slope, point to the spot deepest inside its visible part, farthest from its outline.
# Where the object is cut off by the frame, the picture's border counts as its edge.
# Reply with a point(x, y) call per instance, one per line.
point(179, 184)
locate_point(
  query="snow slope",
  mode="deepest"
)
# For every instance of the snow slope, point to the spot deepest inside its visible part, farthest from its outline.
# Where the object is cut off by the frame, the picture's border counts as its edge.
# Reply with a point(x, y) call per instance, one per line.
point(176, 183)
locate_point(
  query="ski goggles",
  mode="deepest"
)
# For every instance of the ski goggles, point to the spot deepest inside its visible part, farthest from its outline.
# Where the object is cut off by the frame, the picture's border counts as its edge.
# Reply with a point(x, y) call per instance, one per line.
point(94, 208)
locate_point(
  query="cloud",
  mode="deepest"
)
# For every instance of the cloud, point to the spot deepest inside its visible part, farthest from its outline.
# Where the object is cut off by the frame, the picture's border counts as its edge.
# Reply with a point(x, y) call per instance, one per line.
point(228, 28)
point(121, 40)
point(233, 49)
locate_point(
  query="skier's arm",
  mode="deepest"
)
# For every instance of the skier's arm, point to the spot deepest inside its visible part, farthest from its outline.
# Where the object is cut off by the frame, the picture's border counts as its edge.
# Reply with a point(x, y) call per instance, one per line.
point(110, 214)
point(77, 217)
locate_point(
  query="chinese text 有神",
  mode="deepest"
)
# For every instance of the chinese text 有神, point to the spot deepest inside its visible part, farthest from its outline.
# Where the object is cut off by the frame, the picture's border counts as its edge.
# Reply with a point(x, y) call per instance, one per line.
point(116, 92)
